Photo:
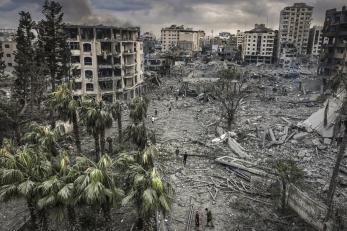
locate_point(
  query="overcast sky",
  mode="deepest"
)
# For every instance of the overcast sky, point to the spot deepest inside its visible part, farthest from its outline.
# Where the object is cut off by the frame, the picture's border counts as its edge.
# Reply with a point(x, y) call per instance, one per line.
point(152, 15)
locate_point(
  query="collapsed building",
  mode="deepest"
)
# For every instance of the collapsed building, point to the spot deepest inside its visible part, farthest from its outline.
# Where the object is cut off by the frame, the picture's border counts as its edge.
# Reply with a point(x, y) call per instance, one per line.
point(106, 61)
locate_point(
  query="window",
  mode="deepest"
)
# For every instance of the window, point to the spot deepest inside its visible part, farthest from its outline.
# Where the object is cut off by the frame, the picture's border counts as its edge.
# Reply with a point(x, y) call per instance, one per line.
point(89, 87)
point(74, 46)
point(8, 55)
point(88, 61)
point(78, 86)
point(88, 74)
point(75, 59)
point(87, 47)
point(76, 73)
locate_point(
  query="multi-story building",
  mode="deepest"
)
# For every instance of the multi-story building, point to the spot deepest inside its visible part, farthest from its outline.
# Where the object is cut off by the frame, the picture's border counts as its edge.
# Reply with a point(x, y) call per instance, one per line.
point(183, 38)
point(239, 38)
point(8, 47)
point(294, 29)
point(106, 61)
point(315, 41)
point(334, 51)
point(259, 45)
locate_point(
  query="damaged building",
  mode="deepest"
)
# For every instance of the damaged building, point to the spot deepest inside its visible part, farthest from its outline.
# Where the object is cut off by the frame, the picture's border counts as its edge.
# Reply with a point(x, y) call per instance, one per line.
point(8, 46)
point(107, 61)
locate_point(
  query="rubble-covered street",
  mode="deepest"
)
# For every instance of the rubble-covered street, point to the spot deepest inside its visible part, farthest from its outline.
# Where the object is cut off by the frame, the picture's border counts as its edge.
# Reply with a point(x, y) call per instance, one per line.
point(238, 201)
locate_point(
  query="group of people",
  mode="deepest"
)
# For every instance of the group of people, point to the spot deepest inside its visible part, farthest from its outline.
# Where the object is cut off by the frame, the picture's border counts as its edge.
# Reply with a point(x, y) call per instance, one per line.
point(209, 221)
point(185, 156)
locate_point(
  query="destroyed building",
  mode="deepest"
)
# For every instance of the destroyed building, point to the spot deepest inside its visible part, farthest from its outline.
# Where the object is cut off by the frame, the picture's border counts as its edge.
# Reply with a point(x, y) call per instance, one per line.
point(8, 46)
point(315, 41)
point(334, 54)
point(184, 38)
point(294, 30)
point(259, 45)
point(106, 61)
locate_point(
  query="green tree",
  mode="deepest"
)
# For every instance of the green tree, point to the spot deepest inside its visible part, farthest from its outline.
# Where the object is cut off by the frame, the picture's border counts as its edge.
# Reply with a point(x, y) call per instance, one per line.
point(62, 101)
point(288, 172)
point(149, 193)
point(24, 57)
point(138, 109)
point(22, 169)
point(117, 116)
point(98, 185)
point(97, 117)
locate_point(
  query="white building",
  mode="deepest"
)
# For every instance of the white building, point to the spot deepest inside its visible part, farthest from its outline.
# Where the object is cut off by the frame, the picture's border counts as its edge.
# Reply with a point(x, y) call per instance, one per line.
point(107, 61)
point(8, 47)
point(294, 28)
point(259, 44)
point(184, 38)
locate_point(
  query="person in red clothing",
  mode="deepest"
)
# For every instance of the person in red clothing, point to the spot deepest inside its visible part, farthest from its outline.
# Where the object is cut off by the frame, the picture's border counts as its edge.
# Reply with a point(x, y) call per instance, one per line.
point(197, 218)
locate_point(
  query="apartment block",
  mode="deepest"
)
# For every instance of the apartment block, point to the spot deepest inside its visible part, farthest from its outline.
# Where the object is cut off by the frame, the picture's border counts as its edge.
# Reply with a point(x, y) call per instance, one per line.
point(183, 38)
point(334, 51)
point(8, 47)
point(239, 38)
point(315, 41)
point(259, 45)
point(294, 28)
point(106, 61)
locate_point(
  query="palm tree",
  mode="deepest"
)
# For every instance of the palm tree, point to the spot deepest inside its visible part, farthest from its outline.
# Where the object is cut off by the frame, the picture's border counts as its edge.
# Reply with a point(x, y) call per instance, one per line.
point(138, 109)
point(97, 117)
point(44, 137)
point(22, 169)
point(149, 193)
point(63, 102)
point(58, 193)
point(117, 115)
point(98, 184)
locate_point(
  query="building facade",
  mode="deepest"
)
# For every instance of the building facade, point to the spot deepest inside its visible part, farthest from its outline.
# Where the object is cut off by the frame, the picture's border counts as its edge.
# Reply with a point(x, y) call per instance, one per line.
point(239, 38)
point(259, 45)
point(315, 41)
point(107, 62)
point(8, 47)
point(183, 38)
point(294, 28)
point(334, 50)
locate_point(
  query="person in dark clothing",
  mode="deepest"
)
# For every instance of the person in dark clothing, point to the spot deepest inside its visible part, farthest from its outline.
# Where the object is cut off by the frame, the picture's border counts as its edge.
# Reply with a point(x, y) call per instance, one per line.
point(209, 217)
point(197, 218)
point(185, 156)
point(176, 98)
point(177, 152)
point(156, 112)
point(169, 108)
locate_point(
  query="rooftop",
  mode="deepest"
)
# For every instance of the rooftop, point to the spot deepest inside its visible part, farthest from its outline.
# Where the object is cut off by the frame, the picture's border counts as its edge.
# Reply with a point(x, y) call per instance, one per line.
point(259, 28)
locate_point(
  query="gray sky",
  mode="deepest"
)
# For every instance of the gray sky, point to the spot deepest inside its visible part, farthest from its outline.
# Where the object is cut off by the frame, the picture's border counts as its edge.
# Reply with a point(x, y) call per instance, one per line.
point(152, 15)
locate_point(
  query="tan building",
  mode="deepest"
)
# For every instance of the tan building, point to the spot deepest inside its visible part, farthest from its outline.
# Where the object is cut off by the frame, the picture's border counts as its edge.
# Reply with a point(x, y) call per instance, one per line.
point(107, 61)
point(8, 47)
point(183, 38)
point(239, 38)
point(259, 45)
point(294, 28)
point(315, 41)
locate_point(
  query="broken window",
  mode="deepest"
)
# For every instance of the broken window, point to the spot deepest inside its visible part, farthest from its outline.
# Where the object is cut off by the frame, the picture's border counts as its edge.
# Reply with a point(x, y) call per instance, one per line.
point(87, 33)
point(119, 84)
point(76, 73)
point(89, 87)
point(71, 33)
point(74, 45)
point(77, 86)
point(107, 98)
point(103, 33)
point(117, 60)
point(106, 47)
point(106, 85)
point(104, 60)
point(75, 59)
point(87, 47)
point(117, 72)
point(88, 61)
point(105, 72)
point(88, 74)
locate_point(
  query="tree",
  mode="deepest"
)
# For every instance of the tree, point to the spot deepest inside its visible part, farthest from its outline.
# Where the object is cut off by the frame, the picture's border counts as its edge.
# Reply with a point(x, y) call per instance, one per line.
point(138, 109)
point(97, 117)
point(21, 171)
point(24, 57)
point(116, 109)
point(98, 185)
point(62, 101)
point(229, 90)
point(149, 193)
point(288, 172)
point(52, 44)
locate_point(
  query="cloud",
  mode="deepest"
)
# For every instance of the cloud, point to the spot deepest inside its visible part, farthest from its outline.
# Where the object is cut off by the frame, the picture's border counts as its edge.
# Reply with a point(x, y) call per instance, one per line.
point(152, 15)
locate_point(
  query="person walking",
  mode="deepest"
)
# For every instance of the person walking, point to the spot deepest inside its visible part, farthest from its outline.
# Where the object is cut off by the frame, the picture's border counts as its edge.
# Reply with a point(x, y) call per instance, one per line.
point(177, 152)
point(185, 156)
point(152, 119)
point(209, 218)
point(197, 219)
point(155, 112)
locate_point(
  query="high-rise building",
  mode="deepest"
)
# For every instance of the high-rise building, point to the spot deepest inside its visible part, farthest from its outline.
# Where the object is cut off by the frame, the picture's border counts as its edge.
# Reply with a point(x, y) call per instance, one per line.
point(8, 47)
point(259, 45)
point(294, 29)
point(334, 51)
point(184, 38)
point(239, 38)
point(106, 61)
point(315, 41)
